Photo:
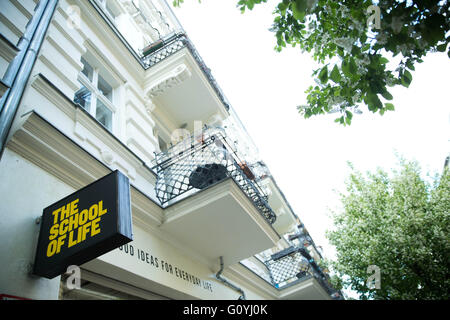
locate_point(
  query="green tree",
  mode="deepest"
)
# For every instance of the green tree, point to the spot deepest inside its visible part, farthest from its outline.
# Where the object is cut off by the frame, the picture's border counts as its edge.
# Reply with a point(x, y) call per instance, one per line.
point(400, 224)
point(354, 54)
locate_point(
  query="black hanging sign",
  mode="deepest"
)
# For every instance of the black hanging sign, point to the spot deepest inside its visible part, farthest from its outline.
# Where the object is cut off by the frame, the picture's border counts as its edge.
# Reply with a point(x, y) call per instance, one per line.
point(84, 225)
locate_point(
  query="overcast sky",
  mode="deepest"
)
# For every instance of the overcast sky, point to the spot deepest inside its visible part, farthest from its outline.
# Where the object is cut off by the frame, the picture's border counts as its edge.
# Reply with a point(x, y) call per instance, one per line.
point(308, 158)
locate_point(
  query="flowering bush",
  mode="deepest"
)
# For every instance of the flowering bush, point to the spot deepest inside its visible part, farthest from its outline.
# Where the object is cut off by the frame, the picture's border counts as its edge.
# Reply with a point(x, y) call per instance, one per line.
point(401, 224)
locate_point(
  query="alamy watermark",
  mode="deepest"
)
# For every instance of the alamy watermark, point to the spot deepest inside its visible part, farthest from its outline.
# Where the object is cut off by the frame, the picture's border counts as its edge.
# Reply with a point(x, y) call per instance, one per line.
point(374, 18)
point(374, 280)
point(73, 281)
point(73, 20)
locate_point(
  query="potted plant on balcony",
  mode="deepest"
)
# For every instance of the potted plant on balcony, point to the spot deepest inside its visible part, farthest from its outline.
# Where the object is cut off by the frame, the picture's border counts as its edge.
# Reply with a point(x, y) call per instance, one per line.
point(245, 168)
point(152, 47)
point(206, 175)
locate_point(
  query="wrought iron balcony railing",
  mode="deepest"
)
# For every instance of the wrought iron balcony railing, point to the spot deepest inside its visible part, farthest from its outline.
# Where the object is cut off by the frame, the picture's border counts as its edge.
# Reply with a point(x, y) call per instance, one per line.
point(289, 267)
point(201, 160)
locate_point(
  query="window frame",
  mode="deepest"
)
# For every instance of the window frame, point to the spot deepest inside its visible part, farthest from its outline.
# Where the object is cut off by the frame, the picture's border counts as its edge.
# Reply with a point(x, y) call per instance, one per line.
point(96, 94)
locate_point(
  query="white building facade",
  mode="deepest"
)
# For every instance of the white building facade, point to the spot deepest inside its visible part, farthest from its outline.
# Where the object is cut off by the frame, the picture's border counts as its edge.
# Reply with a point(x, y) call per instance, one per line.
point(93, 86)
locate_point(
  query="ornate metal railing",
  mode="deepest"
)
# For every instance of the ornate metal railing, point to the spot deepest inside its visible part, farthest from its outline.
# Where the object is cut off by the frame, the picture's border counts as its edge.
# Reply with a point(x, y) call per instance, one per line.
point(168, 47)
point(288, 267)
point(202, 160)
point(172, 45)
point(293, 264)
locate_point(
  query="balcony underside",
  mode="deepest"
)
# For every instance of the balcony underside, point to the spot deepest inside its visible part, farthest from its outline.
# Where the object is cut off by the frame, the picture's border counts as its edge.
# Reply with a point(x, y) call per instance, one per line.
point(309, 289)
point(285, 217)
point(220, 221)
point(182, 92)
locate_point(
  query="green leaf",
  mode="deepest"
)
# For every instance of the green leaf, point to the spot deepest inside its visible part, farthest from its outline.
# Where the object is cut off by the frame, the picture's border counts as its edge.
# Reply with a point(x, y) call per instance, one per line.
point(406, 78)
point(387, 95)
point(352, 67)
point(355, 50)
point(383, 60)
point(410, 65)
point(366, 47)
point(323, 75)
point(373, 102)
point(335, 75)
point(346, 68)
point(442, 47)
point(389, 106)
point(349, 115)
point(282, 7)
point(299, 9)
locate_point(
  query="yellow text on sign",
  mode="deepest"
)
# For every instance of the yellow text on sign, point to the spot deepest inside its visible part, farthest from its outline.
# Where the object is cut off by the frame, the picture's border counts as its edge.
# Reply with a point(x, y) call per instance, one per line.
point(77, 224)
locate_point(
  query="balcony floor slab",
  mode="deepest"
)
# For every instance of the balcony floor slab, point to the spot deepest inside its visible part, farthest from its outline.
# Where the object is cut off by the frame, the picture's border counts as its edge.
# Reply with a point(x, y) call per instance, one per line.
point(220, 221)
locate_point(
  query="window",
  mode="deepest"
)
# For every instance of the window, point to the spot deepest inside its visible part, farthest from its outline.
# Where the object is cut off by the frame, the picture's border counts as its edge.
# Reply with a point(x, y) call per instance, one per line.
point(88, 71)
point(96, 94)
point(103, 115)
point(83, 97)
point(104, 88)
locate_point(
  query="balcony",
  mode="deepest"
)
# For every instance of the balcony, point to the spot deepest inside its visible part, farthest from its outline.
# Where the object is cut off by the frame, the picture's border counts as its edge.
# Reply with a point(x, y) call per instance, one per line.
point(201, 161)
point(294, 273)
point(212, 202)
point(179, 84)
point(164, 48)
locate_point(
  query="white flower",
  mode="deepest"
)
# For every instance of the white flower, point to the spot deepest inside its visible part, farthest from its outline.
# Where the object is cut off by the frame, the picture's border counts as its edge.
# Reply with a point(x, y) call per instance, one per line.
point(421, 43)
point(390, 82)
point(344, 9)
point(384, 4)
point(403, 49)
point(356, 97)
point(345, 43)
point(381, 38)
point(359, 26)
point(311, 4)
point(361, 70)
point(397, 24)
point(365, 60)
point(338, 100)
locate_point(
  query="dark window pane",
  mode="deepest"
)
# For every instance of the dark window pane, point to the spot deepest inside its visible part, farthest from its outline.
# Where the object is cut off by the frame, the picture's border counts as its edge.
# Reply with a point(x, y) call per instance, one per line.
point(103, 115)
point(83, 97)
point(88, 71)
point(104, 88)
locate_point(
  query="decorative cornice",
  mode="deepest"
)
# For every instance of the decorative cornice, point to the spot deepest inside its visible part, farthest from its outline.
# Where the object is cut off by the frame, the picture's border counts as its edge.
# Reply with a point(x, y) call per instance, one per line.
point(173, 78)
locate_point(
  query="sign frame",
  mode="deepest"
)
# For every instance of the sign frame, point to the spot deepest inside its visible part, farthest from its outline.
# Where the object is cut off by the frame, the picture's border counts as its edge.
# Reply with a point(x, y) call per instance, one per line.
point(84, 225)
